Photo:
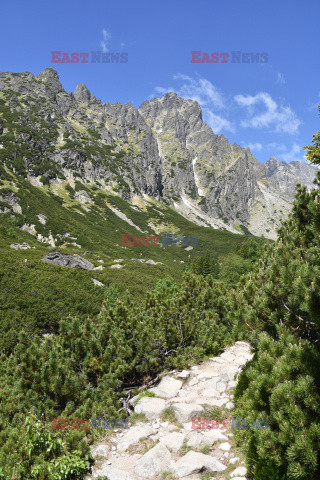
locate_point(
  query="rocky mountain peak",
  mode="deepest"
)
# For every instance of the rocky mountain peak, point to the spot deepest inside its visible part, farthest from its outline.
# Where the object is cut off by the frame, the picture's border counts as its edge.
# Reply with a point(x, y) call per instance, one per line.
point(51, 77)
point(82, 94)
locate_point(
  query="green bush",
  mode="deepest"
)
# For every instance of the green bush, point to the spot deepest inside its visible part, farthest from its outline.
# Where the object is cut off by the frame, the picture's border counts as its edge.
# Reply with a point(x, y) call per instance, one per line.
point(83, 370)
point(281, 384)
point(44, 454)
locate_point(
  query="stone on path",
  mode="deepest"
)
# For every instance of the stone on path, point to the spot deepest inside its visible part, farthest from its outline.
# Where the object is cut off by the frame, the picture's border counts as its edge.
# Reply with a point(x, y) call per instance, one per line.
point(151, 407)
point(234, 460)
point(167, 388)
point(194, 462)
point(114, 474)
point(225, 446)
point(153, 462)
point(183, 374)
point(134, 435)
point(100, 451)
point(173, 441)
point(189, 393)
point(239, 472)
point(185, 411)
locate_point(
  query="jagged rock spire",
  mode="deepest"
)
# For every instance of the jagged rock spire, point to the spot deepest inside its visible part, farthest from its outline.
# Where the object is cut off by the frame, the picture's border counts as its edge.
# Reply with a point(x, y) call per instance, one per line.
point(82, 94)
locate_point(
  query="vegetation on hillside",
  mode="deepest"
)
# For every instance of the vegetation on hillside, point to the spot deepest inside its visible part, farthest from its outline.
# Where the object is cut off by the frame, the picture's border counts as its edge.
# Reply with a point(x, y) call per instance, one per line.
point(84, 369)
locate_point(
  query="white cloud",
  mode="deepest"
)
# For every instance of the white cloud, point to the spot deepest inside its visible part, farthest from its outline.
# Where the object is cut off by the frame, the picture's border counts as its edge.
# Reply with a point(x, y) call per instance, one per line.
point(122, 44)
point(280, 118)
point(280, 79)
point(296, 153)
point(201, 90)
point(280, 147)
point(216, 122)
point(254, 146)
point(106, 37)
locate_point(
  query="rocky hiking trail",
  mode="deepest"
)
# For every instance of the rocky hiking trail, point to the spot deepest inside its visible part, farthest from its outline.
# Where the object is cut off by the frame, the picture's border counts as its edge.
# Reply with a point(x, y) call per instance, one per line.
point(165, 446)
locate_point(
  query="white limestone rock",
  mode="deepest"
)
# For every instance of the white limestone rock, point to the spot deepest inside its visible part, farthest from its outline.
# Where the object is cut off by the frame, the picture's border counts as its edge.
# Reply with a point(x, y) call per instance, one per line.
point(225, 446)
point(153, 462)
point(194, 462)
point(185, 411)
point(151, 407)
point(134, 435)
point(100, 451)
point(167, 388)
point(239, 472)
point(173, 441)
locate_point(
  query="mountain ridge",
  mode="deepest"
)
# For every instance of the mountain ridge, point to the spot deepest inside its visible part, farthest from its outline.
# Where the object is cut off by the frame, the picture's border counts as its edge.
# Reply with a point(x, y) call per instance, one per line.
point(163, 149)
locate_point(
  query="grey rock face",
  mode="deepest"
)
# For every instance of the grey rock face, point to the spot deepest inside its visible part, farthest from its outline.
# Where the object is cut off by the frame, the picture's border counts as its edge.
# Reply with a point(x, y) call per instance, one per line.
point(283, 177)
point(82, 94)
point(82, 197)
point(72, 261)
point(11, 199)
point(20, 246)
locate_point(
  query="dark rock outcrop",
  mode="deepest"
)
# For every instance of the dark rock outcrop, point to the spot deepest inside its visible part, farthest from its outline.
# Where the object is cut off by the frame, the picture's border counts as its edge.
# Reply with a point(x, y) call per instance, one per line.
point(72, 261)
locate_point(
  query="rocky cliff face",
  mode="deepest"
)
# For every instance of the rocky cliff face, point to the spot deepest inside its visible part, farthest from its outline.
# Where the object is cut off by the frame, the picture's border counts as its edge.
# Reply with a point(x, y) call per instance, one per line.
point(163, 149)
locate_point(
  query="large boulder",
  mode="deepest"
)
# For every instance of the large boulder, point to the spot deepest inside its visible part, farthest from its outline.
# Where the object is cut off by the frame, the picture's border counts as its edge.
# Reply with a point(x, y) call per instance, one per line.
point(20, 246)
point(153, 462)
point(194, 462)
point(72, 261)
point(173, 441)
point(134, 435)
point(167, 388)
point(151, 407)
point(185, 411)
point(100, 451)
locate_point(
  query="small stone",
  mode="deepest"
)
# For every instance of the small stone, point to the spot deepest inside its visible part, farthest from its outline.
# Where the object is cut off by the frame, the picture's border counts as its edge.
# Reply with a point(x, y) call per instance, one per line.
point(193, 382)
point(239, 472)
point(229, 405)
point(225, 446)
point(164, 424)
point(184, 374)
point(97, 282)
point(100, 451)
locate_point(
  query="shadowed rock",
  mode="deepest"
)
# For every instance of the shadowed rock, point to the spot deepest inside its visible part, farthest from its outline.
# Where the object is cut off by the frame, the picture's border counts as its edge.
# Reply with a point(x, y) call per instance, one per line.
point(72, 261)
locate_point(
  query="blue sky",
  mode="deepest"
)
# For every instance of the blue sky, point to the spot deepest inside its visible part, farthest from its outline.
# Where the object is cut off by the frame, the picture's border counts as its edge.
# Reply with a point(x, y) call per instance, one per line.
point(271, 107)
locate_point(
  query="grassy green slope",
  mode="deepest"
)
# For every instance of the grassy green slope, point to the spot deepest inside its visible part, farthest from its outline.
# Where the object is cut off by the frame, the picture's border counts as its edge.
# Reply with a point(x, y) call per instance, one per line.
point(35, 295)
